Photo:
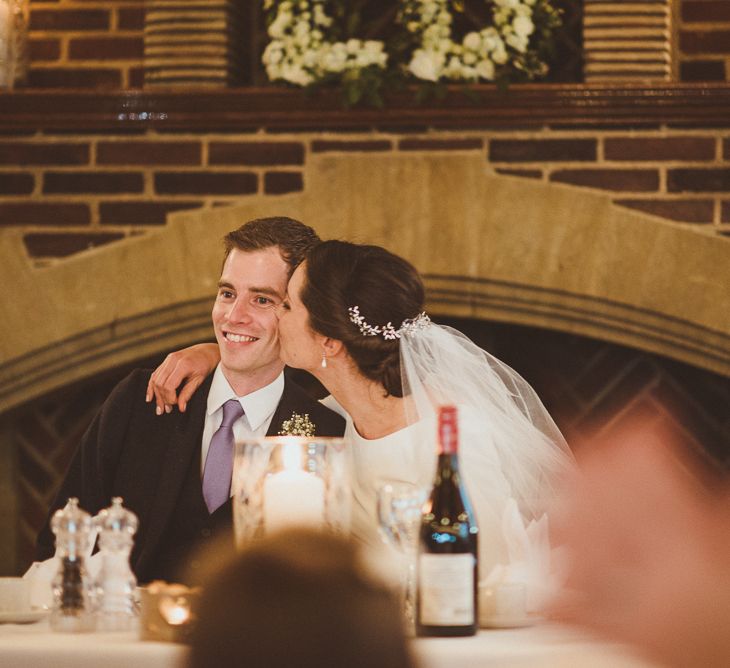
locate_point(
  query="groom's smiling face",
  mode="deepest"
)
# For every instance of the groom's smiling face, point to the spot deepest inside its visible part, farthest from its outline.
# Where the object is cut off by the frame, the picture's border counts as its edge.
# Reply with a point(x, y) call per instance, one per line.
point(251, 285)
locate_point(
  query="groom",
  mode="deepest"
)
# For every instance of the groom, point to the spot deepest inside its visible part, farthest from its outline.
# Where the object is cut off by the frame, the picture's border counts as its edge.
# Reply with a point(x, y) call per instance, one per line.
point(174, 471)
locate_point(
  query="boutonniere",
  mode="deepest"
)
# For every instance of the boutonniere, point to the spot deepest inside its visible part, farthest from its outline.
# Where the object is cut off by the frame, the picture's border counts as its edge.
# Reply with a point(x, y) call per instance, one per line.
point(297, 425)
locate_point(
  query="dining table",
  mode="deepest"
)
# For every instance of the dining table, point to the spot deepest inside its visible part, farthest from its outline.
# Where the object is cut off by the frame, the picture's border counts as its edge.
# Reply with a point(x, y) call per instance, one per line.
point(543, 645)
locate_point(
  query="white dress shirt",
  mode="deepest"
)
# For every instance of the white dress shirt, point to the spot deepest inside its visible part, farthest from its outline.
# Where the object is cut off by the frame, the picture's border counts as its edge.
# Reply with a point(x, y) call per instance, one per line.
point(258, 409)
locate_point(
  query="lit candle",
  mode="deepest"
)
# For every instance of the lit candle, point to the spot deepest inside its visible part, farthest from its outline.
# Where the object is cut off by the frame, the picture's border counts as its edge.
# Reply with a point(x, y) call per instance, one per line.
point(293, 496)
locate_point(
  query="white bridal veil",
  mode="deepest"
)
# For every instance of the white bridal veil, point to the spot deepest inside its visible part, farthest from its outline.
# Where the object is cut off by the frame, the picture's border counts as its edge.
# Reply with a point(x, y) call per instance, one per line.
point(510, 448)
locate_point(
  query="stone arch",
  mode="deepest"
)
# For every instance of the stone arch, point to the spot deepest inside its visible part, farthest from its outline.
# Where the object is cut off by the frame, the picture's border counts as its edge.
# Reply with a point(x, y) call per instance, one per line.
point(490, 247)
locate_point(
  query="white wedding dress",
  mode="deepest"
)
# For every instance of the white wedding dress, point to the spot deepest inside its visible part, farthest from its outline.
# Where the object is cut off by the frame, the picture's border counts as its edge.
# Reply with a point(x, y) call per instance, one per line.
point(391, 459)
point(511, 454)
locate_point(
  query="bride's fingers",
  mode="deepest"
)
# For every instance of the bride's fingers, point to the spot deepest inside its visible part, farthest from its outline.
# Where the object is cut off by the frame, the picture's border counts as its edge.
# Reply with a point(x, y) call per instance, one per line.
point(187, 391)
point(160, 386)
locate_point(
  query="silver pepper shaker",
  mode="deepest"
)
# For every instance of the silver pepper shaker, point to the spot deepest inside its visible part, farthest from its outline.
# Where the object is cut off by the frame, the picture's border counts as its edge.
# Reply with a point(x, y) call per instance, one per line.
point(73, 601)
point(116, 583)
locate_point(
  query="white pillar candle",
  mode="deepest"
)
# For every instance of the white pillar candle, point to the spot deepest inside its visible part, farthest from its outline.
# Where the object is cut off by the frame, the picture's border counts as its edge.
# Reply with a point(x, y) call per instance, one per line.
point(293, 496)
point(5, 22)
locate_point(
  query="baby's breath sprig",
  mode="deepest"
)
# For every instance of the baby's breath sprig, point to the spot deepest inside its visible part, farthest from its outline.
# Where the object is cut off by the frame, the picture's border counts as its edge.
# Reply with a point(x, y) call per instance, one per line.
point(297, 425)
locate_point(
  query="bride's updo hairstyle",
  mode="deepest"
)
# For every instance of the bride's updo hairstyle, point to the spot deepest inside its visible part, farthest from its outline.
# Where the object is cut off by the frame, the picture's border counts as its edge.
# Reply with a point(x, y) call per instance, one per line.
point(385, 288)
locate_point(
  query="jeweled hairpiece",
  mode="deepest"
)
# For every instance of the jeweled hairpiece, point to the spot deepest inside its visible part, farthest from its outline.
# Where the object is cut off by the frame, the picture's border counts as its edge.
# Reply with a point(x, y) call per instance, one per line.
point(389, 333)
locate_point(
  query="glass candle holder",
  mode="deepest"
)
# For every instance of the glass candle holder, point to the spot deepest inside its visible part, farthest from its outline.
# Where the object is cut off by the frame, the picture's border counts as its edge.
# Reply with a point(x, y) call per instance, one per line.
point(285, 481)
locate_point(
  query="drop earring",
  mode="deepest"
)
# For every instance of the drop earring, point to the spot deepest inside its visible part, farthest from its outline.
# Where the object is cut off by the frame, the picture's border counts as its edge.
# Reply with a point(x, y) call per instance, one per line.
point(324, 361)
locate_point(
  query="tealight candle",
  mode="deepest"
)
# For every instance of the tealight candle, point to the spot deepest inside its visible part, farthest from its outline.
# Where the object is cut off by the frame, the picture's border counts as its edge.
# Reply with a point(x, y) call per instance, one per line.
point(293, 496)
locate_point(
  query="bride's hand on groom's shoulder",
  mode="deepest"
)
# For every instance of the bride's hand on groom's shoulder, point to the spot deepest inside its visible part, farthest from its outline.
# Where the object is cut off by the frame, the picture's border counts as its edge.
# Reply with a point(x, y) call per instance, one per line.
point(179, 376)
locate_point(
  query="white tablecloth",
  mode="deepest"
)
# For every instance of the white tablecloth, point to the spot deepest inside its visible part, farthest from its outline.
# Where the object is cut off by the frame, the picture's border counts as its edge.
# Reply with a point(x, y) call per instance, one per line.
point(36, 646)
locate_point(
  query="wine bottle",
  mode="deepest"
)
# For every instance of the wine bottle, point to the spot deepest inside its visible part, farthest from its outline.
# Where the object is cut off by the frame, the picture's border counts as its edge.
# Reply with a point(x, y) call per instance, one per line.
point(448, 555)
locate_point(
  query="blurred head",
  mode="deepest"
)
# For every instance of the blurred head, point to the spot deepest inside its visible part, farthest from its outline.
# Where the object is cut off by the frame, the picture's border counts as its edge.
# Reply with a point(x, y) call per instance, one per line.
point(298, 598)
point(338, 275)
point(260, 257)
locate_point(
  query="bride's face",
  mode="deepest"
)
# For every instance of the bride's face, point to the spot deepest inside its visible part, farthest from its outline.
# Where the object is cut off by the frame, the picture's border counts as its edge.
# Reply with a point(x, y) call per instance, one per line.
point(299, 346)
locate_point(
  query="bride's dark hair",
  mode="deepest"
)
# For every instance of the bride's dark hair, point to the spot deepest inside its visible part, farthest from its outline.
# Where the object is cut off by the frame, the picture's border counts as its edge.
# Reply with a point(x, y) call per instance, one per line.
point(385, 288)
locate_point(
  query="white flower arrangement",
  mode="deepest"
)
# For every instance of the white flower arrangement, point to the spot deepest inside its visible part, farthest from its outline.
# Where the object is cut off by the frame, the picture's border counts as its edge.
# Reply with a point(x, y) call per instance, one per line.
point(308, 46)
point(483, 55)
point(302, 51)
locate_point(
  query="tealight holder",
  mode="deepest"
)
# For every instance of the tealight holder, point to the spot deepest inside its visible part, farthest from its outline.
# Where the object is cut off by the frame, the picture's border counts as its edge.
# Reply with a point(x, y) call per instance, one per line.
point(167, 611)
point(285, 481)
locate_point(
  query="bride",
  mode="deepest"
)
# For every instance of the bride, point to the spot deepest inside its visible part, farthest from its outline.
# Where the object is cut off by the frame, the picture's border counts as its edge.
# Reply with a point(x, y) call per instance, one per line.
point(353, 317)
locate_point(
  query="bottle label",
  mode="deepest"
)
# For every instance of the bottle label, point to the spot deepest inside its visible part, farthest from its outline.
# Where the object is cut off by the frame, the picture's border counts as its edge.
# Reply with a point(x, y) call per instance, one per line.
point(446, 589)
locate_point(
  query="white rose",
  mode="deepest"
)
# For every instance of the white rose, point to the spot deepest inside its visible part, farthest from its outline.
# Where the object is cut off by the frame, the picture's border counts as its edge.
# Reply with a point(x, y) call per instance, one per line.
point(353, 46)
point(499, 55)
point(310, 58)
point(273, 54)
point(279, 24)
point(517, 43)
point(334, 60)
point(469, 58)
point(426, 65)
point(485, 69)
point(373, 48)
point(472, 41)
point(444, 46)
point(523, 26)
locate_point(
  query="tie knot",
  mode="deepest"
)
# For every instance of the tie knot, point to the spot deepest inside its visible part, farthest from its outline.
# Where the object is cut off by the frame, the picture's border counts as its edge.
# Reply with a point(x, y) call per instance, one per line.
point(232, 410)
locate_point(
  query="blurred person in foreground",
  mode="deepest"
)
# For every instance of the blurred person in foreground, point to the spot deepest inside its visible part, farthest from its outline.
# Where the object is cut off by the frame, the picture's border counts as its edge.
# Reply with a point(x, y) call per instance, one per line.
point(298, 598)
point(647, 534)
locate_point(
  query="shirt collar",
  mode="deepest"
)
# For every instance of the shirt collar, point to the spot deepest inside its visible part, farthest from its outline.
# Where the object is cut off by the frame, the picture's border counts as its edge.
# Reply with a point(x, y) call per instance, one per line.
point(258, 405)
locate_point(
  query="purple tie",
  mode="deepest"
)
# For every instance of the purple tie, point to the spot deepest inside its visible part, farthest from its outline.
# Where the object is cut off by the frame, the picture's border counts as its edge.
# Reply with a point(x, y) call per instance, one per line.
point(219, 462)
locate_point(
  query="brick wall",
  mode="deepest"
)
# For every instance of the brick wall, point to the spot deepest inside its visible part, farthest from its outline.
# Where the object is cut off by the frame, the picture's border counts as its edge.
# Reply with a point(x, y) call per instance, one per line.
point(97, 43)
point(86, 43)
point(703, 31)
point(72, 191)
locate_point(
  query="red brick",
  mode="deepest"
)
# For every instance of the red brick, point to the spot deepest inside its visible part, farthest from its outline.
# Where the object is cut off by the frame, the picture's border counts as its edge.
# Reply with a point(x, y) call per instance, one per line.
point(637, 180)
point(256, 153)
point(141, 213)
point(148, 153)
point(92, 182)
point(63, 245)
point(44, 213)
point(725, 212)
point(74, 78)
point(19, 153)
point(324, 145)
point(536, 150)
point(136, 77)
point(69, 19)
point(106, 48)
point(16, 183)
point(277, 183)
point(439, 144)
point(704, 41)
point(659, 148)
point(726, 149)
point(526, 173)
point(44, 49)
point(686, 211)
point(130, 18)
point(206, 183)
point(706, 11)
point(702, 70)
point(698, 180)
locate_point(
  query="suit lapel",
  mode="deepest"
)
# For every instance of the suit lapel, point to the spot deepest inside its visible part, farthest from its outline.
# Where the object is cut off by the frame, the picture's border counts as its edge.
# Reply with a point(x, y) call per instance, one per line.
point(287, 405)
point(184, 442)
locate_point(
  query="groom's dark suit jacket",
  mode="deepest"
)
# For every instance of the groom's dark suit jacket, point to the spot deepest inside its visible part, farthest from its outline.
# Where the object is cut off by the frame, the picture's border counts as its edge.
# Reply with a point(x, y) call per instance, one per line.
point(153, 463)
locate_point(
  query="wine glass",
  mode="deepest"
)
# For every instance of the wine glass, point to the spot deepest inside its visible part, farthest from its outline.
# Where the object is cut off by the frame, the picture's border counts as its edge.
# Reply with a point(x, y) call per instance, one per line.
point(399, 516)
